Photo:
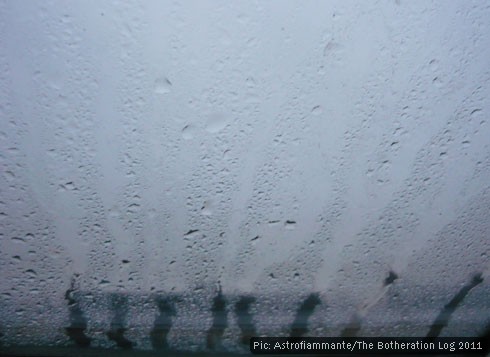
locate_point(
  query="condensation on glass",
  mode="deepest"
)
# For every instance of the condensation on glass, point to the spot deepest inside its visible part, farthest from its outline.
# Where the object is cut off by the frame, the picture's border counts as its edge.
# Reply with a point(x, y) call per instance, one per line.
point(186, 175)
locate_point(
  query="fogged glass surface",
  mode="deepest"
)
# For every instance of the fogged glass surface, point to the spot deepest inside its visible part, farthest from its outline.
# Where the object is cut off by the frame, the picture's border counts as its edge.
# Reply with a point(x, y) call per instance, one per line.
point(182, 176)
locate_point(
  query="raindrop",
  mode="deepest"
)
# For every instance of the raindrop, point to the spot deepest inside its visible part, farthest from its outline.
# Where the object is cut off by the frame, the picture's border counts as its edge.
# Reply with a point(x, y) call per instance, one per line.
point(250, 82)
point(317, 110)
point(9, 175)
point(67, 186)
point(437, 82)
point(188, 132)
point(289, 224)
point(475, 112)
point(31, 273)
point(134, 207)
point(163, 86)
point(104, 283)
point(434, 65)
point(191, 232)
point(206, 209)
point(330, 47)
point(216, 122)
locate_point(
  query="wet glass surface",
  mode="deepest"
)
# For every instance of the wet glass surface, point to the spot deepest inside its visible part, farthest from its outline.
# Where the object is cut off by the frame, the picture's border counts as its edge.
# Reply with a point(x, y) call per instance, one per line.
point(177, 177)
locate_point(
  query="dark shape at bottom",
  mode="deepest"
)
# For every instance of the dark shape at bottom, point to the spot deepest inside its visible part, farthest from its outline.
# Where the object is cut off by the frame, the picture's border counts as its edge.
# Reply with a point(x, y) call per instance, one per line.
point(485, 336)
point(119, 304)
point(300, 324)
point(443, 318)
point(215, 333)
point(245, 318)
point(162, 324)
point(117, 336)
point(78, 322)
point(77, 335)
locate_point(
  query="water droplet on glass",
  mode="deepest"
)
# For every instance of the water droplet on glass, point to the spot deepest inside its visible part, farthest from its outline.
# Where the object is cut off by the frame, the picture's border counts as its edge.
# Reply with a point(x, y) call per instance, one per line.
point(9, 175)
point(317, 110)
point(162, 86)
point(216, 122)
point(250, 82)
point(206, 209)
point(188, 132)
point(475, 112)
point(104, 283)
point(434, 65)
point(273, 223)
point(31, 273)
point(437, 82)
point(289, 224)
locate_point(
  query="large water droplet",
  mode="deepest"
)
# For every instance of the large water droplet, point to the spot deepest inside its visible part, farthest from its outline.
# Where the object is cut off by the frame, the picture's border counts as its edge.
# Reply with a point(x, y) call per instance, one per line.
point(216, 122)
point(289, 224)
point(163, 86)
point(188, 132)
